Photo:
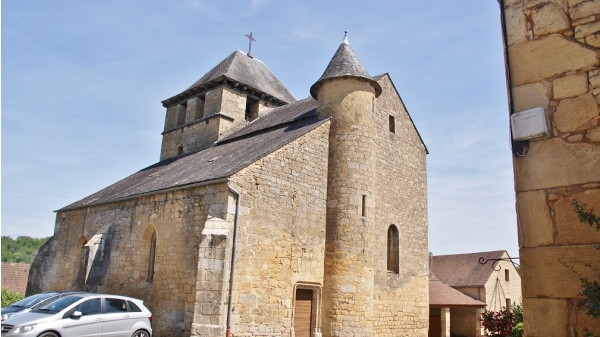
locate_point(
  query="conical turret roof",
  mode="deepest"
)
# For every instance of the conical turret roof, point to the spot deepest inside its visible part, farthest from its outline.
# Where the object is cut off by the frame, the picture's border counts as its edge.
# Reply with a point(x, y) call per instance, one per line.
point(345, 63)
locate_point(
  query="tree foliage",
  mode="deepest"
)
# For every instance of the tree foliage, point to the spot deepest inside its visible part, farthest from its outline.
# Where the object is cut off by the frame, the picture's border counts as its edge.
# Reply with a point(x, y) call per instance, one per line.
point(20, 250)
point(590, 290)
point(10, 297)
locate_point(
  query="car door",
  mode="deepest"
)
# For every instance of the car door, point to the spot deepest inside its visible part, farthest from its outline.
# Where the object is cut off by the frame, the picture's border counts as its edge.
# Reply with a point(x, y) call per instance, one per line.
point(118, 321)
point(90, 322)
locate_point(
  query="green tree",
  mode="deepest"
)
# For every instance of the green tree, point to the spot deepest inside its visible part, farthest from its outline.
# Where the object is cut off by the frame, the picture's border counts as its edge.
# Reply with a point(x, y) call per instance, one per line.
point(20, 250)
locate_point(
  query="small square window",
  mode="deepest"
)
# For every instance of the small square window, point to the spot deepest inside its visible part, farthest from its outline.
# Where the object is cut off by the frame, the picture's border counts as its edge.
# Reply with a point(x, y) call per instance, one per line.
point(392, 124)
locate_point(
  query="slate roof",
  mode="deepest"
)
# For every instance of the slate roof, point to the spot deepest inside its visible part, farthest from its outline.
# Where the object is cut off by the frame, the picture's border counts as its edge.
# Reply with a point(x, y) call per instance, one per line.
point(464, 270)
point(240, 68)
point(345, 63)
point(442, 295)
point(265, 135)
point(14, 276)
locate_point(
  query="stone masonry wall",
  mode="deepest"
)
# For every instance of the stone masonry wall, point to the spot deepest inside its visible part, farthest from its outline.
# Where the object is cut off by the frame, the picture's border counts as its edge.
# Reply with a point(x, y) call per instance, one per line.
point(223, 112)
point(282, 234)
point(401, 300)
point(177, 218)
point(351, 193)
point(554, 62)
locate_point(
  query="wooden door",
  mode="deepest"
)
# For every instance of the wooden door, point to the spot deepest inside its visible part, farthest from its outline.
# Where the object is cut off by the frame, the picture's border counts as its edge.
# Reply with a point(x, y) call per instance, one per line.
point(435, 326)
point(303, 312)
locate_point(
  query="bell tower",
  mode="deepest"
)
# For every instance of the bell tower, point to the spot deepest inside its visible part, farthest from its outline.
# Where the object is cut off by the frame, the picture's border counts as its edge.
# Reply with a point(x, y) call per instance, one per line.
point(346, 93)
point(237, 91)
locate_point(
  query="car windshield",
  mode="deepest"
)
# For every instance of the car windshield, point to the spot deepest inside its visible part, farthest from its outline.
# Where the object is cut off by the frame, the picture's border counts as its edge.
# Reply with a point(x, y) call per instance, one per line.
point(58, 304)
point(33, 299)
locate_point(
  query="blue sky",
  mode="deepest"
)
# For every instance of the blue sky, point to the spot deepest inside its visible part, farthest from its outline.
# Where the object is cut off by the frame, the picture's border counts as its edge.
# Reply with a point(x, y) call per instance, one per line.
point(82, 83)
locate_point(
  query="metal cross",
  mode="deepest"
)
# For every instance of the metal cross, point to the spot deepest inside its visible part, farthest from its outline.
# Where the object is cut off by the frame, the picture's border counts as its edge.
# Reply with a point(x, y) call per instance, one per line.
point(250, 39)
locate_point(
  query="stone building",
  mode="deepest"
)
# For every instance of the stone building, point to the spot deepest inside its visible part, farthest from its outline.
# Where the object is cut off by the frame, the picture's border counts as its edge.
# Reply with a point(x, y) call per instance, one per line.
point(496, 284)
point(553, 53)
point(266, 216)
point(452, 313)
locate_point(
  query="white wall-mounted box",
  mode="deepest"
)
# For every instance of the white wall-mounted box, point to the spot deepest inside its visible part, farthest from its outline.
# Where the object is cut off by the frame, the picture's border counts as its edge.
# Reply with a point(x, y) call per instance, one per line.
point(528, 124)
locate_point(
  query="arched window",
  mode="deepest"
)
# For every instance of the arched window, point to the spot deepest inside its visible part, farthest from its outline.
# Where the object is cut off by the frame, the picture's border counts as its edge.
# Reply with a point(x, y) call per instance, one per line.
point(147, 255)
point(83, 253)
point(393, 249)
point(151, 256)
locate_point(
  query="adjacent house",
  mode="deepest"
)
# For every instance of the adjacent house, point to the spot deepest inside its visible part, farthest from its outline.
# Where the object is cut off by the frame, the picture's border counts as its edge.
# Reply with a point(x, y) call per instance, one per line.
point(496, 283)
point(14, 276)
point(452, 313)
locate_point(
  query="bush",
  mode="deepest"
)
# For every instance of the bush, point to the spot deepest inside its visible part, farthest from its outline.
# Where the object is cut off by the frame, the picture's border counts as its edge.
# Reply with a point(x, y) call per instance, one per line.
point(499, 323)
point(10, 297)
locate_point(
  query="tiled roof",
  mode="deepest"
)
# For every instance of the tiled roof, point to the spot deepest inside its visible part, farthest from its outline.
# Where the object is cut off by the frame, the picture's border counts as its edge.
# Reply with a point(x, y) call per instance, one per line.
point(345, 63)
point(265, 135)
point(464, 270)
point(239, 67)
point(14, 276)
point(442, 295)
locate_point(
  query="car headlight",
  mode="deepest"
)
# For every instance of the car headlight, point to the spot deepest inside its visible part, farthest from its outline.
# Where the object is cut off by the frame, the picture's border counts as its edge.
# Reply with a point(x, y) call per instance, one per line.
point(4, 317)
point(25, 328)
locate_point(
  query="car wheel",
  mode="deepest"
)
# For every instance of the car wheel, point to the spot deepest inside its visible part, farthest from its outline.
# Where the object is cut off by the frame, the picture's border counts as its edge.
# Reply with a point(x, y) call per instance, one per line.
point(48, 334)
point(140, 333)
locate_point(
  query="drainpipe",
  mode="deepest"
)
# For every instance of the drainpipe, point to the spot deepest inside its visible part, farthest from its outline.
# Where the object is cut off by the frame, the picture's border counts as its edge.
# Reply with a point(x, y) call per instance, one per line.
point(236, 223)
point(521, 147)
point(506, 58)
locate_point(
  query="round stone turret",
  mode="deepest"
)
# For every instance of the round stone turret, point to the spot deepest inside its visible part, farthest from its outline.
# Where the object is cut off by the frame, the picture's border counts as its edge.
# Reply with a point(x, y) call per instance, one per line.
point(346, 93)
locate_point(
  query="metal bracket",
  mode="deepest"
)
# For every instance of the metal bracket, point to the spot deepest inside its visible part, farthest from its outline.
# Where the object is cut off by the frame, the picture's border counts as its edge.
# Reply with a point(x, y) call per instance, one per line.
point(482, 260)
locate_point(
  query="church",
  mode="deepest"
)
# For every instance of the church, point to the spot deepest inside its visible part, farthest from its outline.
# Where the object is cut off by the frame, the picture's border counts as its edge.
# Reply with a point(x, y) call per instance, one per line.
point(266, 215)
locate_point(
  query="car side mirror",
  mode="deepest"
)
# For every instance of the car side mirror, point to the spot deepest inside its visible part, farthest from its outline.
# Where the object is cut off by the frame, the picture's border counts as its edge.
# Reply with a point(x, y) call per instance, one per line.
point(76, 314)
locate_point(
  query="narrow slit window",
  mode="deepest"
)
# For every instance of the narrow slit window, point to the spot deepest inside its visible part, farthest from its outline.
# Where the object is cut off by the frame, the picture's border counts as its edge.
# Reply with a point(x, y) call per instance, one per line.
point(392, 124)
point(506, 275)
point(151, 257)
point(364, 205)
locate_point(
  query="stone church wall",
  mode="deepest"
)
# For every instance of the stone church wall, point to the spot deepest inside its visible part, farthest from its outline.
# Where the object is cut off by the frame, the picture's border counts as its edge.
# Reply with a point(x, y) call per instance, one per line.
point(282, 235)
point(401, 299)
point(553, 57)
point(176, 217)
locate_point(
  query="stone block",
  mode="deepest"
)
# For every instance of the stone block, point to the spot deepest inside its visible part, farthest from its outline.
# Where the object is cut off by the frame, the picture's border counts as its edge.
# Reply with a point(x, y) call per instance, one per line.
point(570, 230)
point(531, 95)
point(575, 2)
point(545, 317)
point(553, 55)
point(570, 86)
point(517, 30)
point(585, 9)
point(549, 18)
point(593, 134)
point(556, 271)
point(557, 163)
point(587, 29)
point(576, 114)
point(593, 40)
point(534, 221)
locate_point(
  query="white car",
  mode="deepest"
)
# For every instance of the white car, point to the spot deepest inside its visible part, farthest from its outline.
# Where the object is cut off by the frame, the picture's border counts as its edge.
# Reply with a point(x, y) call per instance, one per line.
point(83, 315)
